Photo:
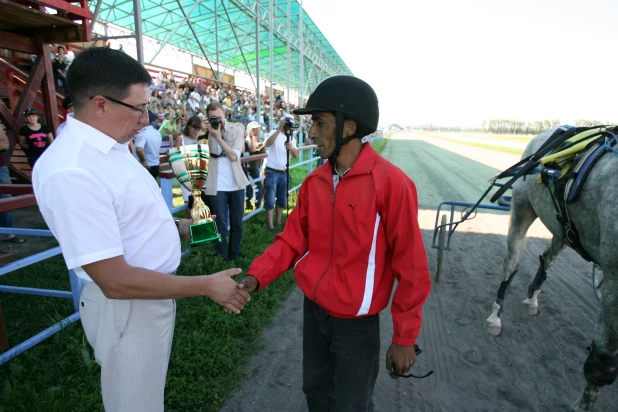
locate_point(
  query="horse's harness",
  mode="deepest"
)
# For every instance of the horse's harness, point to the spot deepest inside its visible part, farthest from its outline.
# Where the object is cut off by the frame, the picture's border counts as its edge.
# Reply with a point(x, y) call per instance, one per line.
point(562, 164)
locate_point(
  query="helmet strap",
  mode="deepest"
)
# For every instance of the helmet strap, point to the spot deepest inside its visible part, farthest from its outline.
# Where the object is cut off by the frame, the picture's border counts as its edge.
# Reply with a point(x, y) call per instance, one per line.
point(340, 141)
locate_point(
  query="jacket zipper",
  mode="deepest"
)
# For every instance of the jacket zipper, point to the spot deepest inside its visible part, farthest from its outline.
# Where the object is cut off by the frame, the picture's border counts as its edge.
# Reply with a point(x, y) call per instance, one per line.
point(332, 249)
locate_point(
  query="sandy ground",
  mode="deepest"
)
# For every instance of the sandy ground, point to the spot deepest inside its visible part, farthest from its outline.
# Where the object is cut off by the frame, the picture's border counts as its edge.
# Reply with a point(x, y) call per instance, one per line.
point(537, 362)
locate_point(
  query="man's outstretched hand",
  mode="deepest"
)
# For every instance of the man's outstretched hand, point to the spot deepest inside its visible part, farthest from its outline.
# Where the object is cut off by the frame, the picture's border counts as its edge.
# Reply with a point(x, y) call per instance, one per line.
point(399, 359)
point(247, 284)
point(225, 291)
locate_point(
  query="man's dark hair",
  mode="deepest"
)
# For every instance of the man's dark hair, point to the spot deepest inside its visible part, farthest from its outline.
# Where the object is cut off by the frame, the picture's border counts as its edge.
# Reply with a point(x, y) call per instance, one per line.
point(67, 102)
point(61, 47)
point(103, 71)
point(214, 106)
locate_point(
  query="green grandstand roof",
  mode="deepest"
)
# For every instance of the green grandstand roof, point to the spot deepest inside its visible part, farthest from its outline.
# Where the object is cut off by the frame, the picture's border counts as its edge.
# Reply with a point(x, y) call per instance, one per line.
point(164, 20)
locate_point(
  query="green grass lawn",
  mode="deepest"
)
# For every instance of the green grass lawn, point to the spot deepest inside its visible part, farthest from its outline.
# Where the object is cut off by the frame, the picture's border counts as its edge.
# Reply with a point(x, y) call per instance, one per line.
point(211, 349)
point(481, 145)
point(210, 352)
point(380, 144)
point(501, 137)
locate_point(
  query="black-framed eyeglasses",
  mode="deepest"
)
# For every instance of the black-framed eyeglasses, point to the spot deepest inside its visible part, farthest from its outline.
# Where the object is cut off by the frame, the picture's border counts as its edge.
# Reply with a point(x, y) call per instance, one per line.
point(137, 109)
point(411, 375)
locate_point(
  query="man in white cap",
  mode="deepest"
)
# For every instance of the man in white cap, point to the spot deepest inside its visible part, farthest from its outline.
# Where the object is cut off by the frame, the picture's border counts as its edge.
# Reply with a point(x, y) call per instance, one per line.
point(254, 167)
point(194, 101)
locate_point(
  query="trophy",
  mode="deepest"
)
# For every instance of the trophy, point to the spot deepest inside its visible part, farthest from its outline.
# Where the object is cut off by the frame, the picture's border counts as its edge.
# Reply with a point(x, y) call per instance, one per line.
point(190, 165)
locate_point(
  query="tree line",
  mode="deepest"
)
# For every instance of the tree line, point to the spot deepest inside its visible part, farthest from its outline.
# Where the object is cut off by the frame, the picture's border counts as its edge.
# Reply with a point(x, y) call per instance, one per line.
point(508, 126)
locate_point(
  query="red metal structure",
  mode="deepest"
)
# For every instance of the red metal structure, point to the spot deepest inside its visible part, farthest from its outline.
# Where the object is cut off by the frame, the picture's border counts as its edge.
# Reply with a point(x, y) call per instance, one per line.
point(27, 27)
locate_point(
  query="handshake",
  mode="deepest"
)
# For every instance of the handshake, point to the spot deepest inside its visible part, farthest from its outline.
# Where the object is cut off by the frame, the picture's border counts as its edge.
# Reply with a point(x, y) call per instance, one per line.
point(220, 287)
point(228, 293)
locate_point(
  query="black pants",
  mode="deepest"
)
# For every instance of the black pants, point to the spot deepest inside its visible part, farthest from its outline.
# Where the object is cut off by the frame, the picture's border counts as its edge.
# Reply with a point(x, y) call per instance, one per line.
point(340, 360)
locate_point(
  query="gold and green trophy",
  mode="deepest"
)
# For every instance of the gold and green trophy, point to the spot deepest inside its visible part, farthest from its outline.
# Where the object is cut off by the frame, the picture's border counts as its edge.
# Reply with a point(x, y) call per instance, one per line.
point(190, 165)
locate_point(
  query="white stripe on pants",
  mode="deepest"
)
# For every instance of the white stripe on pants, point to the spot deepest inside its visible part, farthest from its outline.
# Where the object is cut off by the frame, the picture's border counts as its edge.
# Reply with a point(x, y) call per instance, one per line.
point(132, 340)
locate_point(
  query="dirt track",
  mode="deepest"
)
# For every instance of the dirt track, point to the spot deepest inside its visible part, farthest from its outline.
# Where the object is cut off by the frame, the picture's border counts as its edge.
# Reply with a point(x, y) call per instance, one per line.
point(537, 362)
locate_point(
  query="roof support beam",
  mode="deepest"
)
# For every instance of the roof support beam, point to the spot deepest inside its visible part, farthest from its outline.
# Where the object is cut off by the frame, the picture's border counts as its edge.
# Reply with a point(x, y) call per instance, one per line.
point(97, 10)
point(280, 30)
point(271, 54)
point(258, 109)
point(287, 95)
point(173, 32)
point(139, 41)
point(241, 43)
point(301, 56)
point(217, 36)
point(197, 39)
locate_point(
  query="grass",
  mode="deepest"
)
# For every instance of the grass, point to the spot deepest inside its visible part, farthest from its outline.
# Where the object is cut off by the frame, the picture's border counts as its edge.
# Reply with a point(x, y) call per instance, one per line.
point(501, 137)
point(380, 144)
point(210, 352)
point(481, 145)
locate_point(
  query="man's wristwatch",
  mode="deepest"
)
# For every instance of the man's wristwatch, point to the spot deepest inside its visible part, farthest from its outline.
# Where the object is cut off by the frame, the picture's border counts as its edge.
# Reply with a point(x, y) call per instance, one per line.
point(177, 221)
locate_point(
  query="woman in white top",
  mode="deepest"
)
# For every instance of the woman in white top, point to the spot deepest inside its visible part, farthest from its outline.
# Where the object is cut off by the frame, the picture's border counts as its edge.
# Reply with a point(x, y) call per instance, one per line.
point(190, 135)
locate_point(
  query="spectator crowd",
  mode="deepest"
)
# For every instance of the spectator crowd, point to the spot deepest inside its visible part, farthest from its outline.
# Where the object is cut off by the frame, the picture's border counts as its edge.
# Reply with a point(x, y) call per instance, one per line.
point(178, 111)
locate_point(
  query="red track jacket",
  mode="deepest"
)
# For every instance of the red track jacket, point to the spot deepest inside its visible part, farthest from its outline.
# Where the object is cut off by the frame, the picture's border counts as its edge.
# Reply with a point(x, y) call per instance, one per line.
point(348, 247)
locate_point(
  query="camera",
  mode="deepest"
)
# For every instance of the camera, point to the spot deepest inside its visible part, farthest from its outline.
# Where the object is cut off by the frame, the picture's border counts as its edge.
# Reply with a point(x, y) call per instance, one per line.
point(289, 123)
point(215, 122)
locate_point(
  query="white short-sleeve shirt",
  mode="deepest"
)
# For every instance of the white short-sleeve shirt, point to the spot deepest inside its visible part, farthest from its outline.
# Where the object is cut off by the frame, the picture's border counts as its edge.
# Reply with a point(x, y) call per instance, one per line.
point(278, 154)
point(149, 139)
point(99, 203)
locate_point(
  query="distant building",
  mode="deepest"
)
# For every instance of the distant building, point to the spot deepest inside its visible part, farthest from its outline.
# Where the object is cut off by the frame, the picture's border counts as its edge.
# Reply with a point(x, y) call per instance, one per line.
point(395, 128)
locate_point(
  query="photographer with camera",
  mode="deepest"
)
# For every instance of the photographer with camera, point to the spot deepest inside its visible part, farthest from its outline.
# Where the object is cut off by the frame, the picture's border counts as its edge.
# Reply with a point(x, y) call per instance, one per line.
point(276, 180)
point(225, 186)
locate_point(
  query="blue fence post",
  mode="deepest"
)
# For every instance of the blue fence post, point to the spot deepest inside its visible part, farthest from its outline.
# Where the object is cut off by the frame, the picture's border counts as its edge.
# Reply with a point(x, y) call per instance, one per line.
point(77, 284)
point(301, 143)
point(166, 191)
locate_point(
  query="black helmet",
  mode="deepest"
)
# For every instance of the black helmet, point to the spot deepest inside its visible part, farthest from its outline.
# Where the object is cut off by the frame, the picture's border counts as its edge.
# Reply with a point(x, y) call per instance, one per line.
point(348, 97)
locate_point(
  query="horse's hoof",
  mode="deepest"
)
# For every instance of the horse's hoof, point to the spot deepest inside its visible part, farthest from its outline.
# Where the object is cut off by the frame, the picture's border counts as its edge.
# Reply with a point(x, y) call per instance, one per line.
point(533, 309)
point(494, 330)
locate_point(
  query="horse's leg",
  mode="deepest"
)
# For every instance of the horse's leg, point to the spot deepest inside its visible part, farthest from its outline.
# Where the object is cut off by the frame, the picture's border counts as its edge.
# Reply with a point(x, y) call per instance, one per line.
point(522, 216)
point(601, 367)
point(547, 260)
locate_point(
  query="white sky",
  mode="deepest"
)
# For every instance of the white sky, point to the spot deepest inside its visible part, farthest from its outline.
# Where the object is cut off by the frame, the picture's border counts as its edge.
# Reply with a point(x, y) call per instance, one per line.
point(460, 62)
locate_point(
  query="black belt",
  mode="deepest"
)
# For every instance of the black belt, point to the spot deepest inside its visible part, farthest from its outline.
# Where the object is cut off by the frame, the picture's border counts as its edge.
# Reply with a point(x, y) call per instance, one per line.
point(215, 156)
point(275, 170)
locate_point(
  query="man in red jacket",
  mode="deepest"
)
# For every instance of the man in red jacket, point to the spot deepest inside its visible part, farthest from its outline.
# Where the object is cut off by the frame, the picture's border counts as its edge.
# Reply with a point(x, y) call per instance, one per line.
point(353, 232)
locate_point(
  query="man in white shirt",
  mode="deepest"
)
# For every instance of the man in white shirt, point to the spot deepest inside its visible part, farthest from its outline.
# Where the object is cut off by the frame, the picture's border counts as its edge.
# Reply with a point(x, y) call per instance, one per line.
point(276, 180)
point(147, 149)
point(67, 105)
point(116, 232)
point(194, 100)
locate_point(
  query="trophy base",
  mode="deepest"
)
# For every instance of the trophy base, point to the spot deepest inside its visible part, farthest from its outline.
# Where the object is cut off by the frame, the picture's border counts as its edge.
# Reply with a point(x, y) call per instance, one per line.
point(204, 233)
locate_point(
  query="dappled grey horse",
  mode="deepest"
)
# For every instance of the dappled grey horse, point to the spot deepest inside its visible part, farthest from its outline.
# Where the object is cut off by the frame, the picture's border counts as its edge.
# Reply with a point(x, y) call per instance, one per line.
point(594, 214)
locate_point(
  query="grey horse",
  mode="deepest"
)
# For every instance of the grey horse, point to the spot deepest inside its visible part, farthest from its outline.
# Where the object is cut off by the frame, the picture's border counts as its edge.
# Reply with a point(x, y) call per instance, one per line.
point(594, 216)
